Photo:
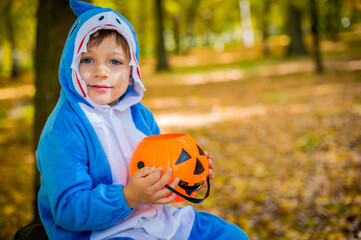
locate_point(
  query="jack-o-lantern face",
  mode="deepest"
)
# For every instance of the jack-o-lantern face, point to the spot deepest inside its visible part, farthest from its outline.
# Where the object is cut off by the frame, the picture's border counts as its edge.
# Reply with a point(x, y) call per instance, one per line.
point(180, 152)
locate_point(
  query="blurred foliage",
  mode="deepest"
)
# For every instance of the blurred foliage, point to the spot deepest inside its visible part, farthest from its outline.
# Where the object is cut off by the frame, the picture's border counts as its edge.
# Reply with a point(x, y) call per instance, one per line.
point(22, 17)
point(213, 22)
point(286, 142)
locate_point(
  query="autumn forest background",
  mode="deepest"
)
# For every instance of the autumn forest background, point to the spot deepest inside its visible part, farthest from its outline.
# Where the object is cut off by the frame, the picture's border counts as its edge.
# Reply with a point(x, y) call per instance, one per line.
point(271, 88)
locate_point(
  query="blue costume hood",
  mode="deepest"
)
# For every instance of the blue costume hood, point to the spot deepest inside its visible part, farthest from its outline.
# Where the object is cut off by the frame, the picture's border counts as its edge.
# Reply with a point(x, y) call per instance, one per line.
point(91, 19)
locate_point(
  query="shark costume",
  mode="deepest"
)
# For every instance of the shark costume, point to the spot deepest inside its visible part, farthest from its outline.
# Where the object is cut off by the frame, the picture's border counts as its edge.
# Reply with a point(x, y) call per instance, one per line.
point(85, 149)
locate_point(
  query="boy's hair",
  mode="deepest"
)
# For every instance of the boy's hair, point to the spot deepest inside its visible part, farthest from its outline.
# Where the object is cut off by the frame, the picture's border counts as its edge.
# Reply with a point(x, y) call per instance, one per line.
point(97, 37)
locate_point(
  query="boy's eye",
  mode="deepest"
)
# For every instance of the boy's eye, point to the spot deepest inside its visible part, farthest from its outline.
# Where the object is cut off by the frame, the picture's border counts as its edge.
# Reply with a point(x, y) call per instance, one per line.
point(86, 60)
point(115, 62)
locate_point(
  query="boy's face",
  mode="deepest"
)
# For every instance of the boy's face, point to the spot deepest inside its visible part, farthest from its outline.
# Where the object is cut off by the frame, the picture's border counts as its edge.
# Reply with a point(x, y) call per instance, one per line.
point(106, 71)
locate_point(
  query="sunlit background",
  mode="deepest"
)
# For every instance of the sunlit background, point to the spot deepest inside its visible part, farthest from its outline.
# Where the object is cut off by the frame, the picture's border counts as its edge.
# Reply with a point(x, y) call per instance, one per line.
point(243, 78)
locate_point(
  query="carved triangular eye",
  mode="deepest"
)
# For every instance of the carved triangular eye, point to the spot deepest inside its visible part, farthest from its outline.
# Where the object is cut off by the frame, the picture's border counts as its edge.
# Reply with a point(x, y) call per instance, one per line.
point(199, 168)
point(184, 156)
point(200, 151)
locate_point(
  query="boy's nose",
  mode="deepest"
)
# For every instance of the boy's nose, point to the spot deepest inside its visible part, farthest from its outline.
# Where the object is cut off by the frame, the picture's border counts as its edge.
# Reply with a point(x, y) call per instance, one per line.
point(101, 72)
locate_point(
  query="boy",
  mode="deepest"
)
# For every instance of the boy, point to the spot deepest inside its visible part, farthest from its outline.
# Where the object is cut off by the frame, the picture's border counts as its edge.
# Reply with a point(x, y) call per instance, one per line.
point(86, 145)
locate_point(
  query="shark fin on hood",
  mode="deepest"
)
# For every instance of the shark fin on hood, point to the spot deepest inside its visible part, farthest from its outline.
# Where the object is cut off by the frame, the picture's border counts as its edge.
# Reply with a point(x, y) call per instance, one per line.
point(80, 7)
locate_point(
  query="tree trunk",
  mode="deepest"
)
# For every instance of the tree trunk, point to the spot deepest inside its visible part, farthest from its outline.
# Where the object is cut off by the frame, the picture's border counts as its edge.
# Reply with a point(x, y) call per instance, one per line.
point(1, 59)
point(190, 17)
point(316, 37)
point(209, 24)
point(297, 46)
point(354, 18)
point(265, 27)
point(246, 23)
point(333, 17)
point(142, 26)
point(54, 21)
point(160, 44)
point(176, 32)
point(15, 67)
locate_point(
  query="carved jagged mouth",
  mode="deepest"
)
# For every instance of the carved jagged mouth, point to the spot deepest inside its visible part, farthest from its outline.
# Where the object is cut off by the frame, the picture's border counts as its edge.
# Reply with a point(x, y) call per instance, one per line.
point(190, 189)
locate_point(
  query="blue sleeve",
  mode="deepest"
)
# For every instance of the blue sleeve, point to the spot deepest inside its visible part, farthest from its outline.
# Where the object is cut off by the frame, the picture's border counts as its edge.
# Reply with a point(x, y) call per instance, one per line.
point(153, 124)
point(74, 202)
point(144, 120)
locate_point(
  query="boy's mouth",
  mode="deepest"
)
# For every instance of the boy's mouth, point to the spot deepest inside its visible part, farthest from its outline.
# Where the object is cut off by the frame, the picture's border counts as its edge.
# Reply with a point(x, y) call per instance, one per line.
point(99, 88)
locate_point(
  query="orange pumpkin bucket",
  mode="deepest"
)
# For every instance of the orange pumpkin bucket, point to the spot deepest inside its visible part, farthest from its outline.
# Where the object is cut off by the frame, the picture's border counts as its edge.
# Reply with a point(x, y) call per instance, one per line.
point(180, 152)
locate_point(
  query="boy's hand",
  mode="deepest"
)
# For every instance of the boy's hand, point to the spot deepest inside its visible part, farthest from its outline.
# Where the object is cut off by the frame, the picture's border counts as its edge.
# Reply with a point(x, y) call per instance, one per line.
point(211, 168)
point(211, 165)
point(147, 187)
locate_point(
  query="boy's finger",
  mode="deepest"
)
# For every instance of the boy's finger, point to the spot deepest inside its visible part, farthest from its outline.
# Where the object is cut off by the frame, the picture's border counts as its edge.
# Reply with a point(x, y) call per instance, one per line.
point(163, 180)
point(143, 172)
point(164, 191)
point(175, 182)
point(167, 200)
point(211, 164)
point(154, 176)
point(211, 174)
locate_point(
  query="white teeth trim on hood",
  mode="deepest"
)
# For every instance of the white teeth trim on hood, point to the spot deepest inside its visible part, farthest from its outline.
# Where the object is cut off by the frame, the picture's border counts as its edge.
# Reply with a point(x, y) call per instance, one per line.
point(110, 21)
